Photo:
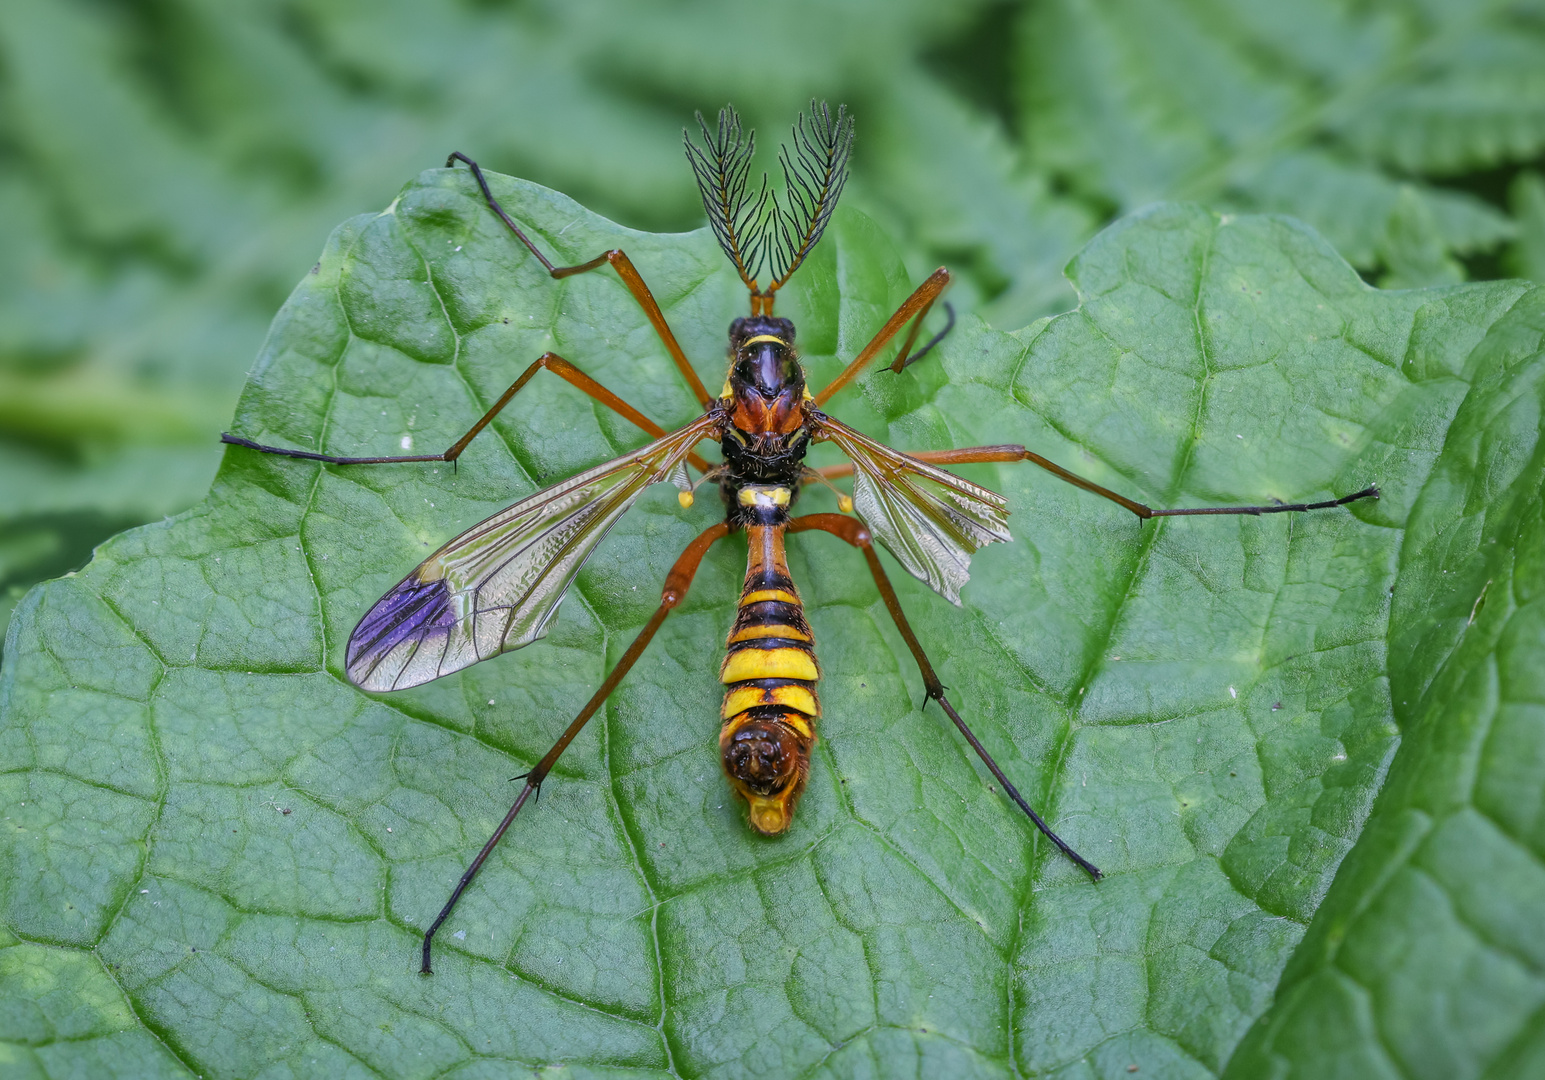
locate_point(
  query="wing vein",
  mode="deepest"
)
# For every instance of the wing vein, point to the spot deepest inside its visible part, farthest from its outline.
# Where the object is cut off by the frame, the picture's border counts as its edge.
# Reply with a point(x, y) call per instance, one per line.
point(519, 562)
point(931, 520)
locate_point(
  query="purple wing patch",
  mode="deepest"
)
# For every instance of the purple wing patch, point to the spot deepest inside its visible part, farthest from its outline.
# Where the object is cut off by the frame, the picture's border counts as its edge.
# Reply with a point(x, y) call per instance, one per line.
point(415, 612)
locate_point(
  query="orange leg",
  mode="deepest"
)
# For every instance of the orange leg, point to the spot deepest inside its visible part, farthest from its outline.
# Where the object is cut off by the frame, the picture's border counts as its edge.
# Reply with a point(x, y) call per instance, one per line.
point(906, 357)
point(676, 584)
point(854, 533)
point(1012, 452)
point(916, 305)
point(616, 258)
point(551, 361)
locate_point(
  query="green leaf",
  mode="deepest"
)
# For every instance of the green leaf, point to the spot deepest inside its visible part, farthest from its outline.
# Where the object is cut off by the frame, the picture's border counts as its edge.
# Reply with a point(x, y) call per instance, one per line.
point(1303, 747)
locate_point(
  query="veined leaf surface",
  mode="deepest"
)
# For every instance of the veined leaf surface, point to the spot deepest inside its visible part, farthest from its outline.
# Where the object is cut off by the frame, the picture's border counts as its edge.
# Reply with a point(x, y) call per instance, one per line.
point(1305, 749)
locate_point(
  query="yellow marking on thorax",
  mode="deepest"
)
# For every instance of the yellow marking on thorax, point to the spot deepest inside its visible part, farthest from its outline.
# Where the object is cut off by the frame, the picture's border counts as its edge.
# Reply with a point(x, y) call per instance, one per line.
point(763, 595)
point(766, 337)
point(787, 663)
point(751, 632)
point(799, 698)
point(763, 496)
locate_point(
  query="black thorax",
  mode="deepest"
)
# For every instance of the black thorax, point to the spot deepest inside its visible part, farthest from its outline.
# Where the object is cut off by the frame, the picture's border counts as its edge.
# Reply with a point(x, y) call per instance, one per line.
point(766, 436)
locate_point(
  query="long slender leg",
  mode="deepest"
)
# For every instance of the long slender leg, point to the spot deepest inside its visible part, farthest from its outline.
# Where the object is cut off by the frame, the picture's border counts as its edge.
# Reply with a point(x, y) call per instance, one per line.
point(1012, 452)
point(906, 358)
point(676, 584)
point(550, 361)
point(918, 303)
point(854, 533)
point(616, 258)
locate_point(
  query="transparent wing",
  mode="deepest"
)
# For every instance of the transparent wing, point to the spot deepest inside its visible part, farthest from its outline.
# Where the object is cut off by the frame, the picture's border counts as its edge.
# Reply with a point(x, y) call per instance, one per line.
point(496, 586)
point(930, 519)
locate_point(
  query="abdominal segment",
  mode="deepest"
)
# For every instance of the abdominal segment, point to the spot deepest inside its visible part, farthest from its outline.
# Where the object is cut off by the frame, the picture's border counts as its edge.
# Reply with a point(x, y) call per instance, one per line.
point(770, 705)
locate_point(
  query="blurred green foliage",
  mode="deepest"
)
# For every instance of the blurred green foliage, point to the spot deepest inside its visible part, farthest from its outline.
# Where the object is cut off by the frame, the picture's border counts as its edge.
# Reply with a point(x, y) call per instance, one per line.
point(169, 168)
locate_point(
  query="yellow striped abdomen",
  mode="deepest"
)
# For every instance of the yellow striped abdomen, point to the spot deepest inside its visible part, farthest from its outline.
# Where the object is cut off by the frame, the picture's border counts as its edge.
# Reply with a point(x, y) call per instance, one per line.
point(770, 705)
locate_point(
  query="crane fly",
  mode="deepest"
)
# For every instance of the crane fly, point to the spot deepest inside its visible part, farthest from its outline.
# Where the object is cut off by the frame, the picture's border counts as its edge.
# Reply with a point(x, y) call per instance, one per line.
point(497, 586)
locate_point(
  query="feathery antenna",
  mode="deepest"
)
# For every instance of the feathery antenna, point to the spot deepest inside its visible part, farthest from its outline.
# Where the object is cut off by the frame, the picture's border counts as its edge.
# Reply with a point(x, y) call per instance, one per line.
point(813, 176)
point(759, 230)
point(722, 166)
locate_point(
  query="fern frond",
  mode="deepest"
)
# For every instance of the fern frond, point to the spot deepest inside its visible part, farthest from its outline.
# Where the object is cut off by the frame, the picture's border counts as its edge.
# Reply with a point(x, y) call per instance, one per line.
point(1480, 107)
point(1352, 204)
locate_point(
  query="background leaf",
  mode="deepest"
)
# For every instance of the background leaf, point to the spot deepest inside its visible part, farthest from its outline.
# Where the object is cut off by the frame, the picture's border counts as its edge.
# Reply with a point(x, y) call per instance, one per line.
point(1303, 749)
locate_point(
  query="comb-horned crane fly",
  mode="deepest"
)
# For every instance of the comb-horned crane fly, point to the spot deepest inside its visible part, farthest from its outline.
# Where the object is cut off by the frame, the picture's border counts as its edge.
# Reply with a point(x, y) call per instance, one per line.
point(495, 587)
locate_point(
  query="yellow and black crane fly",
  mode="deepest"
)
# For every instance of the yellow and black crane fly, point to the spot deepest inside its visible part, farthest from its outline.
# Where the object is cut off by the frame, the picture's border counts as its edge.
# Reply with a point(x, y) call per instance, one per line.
point(496, 586)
